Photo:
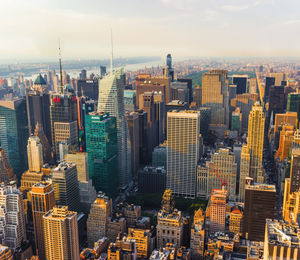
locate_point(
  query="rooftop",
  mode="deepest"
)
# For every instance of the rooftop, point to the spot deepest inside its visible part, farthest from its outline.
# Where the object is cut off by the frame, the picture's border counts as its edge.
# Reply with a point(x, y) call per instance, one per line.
point(262, 187)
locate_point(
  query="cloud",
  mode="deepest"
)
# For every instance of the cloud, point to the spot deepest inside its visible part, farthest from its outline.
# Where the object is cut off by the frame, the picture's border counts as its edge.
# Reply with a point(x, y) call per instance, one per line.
point(234, 8)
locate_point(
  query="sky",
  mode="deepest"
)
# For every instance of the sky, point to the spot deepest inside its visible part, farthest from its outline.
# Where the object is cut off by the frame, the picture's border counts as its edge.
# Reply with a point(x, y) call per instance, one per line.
point(186, 28)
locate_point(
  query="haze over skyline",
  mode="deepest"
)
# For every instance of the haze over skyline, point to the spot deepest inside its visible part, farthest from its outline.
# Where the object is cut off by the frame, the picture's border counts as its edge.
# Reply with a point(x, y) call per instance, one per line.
point(30, 29)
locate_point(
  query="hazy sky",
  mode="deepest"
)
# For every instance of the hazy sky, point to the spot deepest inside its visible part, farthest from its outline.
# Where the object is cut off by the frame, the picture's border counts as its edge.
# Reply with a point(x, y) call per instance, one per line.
point(30, 28)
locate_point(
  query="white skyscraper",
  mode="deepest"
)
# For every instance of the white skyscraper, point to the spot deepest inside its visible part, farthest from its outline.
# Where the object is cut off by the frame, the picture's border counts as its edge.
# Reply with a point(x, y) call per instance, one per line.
point(111, 100)
point(183, 136)
point(12, 216)
point(35, 154)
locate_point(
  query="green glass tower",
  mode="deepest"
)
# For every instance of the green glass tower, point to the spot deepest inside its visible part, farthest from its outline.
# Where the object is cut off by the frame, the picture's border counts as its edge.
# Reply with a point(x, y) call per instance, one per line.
point(14, 133)
point(102, 149)
point(293, 103)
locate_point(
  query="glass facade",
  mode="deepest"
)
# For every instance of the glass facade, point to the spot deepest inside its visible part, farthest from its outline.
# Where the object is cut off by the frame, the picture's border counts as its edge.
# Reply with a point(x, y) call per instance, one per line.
point(14, 133)
point(102, 149)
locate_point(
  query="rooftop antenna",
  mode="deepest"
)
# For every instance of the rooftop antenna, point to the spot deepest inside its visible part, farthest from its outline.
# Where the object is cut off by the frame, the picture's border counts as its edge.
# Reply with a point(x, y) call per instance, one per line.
point(60, 68)
point(112, 51)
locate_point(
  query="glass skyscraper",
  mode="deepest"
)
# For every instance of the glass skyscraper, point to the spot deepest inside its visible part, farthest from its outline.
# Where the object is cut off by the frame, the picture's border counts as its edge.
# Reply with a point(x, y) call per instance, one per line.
point(111, 100)
point(102, 149)
point(14, 133)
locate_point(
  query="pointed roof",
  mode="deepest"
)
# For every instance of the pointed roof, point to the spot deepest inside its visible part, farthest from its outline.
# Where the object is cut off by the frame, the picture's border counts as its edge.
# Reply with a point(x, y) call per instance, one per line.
point(40, 80)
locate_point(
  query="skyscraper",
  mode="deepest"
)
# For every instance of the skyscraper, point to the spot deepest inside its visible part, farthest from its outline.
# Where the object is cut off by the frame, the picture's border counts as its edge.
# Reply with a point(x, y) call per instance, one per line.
point(244, 172)
point(6, 172)
point(276, 101)
point(295, 170)
point(255, 141)
point(61, 234)
point(102, 148)
point(241, 83)
point(63, 109)
point(14, 133)
point(182, 151)
point(260, 202)
point(12, 216)
point(111, 100)
point(214, 95)
point(97, 222)
point(217, 209)
point(65, 185)
point(293, 103)
point(224, 163)
point(86, 189)
point(42, 196)
point(35, 154)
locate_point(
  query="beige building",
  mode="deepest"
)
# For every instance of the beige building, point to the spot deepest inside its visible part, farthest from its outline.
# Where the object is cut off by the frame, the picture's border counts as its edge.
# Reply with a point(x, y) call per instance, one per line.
point(66, 132)
point(87, 191)
point(65, 184)
point(224, 163)
point(244, 172)
point(252, 86)
point(97, 223)
point(282, 240)
point(255, 140)
point(214, 93)
point(202, 175)
point(143, 241)
point(217, 210)
point(183, 140)
point(61, 234)
point(198, 234)
point(42, 197)
point(169, 228)
point(235, 219)
point(35, 154)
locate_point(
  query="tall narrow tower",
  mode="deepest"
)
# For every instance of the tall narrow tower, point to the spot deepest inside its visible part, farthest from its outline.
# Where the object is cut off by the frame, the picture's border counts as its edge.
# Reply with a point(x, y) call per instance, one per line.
point(35, 154)
point(111, 100)
point(61, 234)
point(43, 200)
point(255, 142)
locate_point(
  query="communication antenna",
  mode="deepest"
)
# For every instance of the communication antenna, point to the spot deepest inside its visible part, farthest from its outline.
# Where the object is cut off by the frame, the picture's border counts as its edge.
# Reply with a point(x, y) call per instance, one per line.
point(60, 68)
point(112, 51)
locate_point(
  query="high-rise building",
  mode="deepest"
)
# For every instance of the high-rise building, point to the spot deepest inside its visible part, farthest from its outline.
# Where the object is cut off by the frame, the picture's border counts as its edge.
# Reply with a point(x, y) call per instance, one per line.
point(14, 133)
point(65, 185)
point(86, 189)
point(35, 154)
point(223, 162)
point(198, 234)
point(111, 100)
point(217, 209)
point(61, 234)
point(260, 202)
point(47, 152)
point(38, 103)
point(42, 196)
point(291, 203)
point(189, 83)
point(295, 170)
point(285, 142)
point(169, 228)
point(244, 172)
point(97, 223)
point(123, 248)
point(293, 103)
point(143, 241)
point(146, 83)
point(241, 83)
point(255, 140)
point(282, 240)
point(63, 109)
point(235, 220)
point(288, 118)
point(102, 148)
point(280, 78)
point(276, 101)
point(87, 88)
point(179, 91)
point(214, 95)
point(133, 128)
point(152, 179)
point(129, 100)
point(12, 216)
point(182, 151)
point(6, 171)
point(160, 115)
point(197, 96)
point(270, 81)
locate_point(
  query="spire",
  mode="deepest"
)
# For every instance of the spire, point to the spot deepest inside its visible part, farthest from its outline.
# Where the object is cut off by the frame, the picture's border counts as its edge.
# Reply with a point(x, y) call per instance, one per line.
point(60, 68)
point(112, 53)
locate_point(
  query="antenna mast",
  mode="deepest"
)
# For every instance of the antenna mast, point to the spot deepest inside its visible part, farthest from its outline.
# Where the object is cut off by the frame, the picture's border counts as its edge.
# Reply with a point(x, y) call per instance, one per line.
point(112, 51)
point(60, 68)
